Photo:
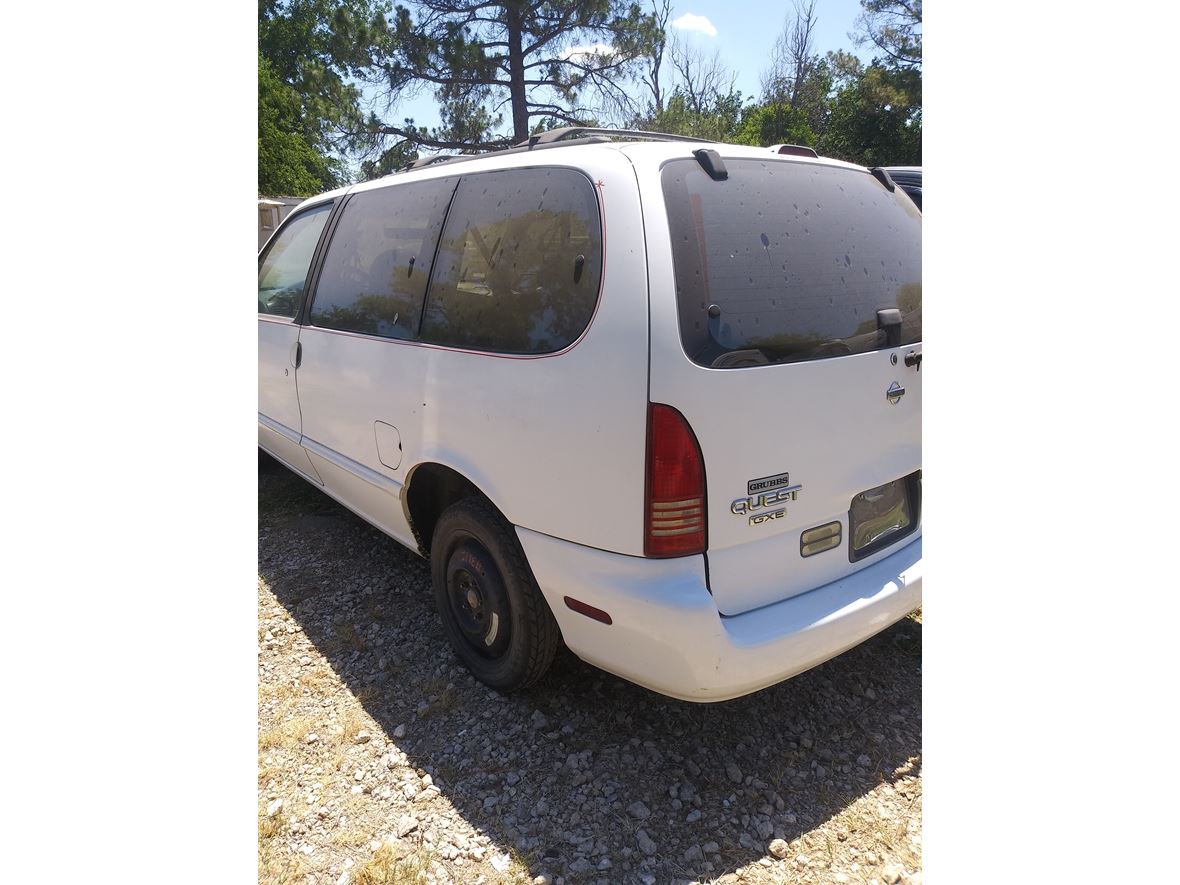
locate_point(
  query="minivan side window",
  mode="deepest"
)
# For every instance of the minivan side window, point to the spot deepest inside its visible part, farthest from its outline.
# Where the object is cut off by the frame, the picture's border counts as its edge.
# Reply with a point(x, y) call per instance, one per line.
point(378, 261)
point(519, 263)
point(283, 271)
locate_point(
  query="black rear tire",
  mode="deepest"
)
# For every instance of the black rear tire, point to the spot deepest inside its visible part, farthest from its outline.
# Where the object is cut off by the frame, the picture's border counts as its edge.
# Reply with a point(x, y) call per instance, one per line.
point(491, 608)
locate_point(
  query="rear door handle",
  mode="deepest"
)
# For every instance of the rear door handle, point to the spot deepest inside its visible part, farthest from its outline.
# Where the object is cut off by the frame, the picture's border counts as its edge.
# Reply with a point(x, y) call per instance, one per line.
point(297, 354)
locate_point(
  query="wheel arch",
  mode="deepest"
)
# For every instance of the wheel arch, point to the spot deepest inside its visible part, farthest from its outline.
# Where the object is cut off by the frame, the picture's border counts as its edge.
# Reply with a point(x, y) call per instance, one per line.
point(432, 487)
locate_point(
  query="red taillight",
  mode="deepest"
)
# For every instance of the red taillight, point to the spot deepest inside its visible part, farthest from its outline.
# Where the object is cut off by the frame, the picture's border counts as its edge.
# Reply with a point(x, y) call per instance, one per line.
point(674, 506)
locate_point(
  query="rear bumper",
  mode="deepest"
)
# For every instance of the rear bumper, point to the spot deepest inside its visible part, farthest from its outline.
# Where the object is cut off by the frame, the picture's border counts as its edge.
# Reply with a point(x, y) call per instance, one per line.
point(667, 634)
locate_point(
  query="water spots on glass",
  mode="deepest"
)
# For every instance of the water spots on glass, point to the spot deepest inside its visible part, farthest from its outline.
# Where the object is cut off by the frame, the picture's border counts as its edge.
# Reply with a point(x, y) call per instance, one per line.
point(847, 260)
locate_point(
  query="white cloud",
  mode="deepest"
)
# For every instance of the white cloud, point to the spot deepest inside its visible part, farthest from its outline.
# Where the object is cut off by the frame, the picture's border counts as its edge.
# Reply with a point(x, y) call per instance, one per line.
point(690, 22)
point(576, 53)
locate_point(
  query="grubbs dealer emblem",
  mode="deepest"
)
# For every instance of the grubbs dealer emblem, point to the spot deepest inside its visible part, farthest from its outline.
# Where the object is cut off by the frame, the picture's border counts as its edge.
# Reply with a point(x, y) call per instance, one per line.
point(765, 498)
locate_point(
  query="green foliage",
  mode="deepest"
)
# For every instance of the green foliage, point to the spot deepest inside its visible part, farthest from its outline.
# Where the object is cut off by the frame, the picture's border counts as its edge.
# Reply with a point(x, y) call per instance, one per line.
point(288, 163)
point(391, 159)
point(876, 117)
point(308, 106)
point(775, 123)
point(528, 66)
point(894, 27)
point(718, 118)
point(870, 115)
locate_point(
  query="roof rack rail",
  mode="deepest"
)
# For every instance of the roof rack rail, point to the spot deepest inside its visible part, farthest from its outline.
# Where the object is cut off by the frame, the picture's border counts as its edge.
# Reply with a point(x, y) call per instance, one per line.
point(555, 135)
point(430, 161)
point(426, 161)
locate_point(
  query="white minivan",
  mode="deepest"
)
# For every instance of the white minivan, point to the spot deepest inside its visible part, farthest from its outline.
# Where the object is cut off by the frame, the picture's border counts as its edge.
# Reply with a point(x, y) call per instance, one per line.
point(654, 399)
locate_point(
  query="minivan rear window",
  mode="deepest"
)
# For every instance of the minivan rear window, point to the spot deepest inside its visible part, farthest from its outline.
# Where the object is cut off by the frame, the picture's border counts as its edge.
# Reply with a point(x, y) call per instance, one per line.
point(786, 261)
point(518, 264)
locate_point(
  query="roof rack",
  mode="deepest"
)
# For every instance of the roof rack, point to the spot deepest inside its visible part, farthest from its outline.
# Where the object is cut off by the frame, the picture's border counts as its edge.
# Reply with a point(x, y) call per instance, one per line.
point(555, 135)
point(566, 136)
point(430, 161)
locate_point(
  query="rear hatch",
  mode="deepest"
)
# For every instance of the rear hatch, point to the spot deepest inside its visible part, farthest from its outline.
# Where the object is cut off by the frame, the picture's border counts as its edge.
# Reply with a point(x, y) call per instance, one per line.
point(786, 303)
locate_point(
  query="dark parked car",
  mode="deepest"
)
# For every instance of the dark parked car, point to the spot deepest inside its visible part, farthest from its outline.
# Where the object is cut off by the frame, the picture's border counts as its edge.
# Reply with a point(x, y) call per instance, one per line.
point(909, 179)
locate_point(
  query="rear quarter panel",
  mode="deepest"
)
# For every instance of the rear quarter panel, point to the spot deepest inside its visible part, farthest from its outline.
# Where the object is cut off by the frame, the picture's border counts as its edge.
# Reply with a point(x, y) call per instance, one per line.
point(557, 442)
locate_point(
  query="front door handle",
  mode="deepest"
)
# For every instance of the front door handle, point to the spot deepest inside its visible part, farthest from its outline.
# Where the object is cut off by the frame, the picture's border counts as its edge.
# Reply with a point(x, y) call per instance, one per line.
point(297, 354)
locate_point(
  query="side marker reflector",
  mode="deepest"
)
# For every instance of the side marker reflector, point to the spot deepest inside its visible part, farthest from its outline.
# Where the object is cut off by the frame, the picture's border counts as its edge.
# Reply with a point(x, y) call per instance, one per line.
point(588, 610)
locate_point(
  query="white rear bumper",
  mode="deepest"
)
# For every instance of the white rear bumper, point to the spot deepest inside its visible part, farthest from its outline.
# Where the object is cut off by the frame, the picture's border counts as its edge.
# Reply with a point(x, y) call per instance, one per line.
point(666, 633)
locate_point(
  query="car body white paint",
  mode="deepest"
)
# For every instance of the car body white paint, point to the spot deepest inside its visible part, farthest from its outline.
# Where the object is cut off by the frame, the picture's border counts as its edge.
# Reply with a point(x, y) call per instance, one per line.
point(558, 444)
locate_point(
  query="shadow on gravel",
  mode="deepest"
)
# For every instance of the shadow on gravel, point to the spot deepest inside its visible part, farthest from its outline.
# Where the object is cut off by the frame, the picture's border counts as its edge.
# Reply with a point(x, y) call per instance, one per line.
point(553, 774)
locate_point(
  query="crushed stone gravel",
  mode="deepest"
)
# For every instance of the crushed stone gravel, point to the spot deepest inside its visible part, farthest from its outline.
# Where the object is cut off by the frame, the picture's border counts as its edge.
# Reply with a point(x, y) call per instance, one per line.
point(381, 760)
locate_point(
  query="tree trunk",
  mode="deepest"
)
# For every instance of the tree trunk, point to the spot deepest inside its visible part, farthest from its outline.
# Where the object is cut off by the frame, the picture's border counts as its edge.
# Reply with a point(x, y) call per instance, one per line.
point(520, 111)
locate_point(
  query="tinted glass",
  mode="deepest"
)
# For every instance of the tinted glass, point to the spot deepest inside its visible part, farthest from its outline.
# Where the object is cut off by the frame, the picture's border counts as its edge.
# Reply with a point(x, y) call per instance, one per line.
point(377, 265)
point(283, 271)
point(790, 261)
point(519, 263)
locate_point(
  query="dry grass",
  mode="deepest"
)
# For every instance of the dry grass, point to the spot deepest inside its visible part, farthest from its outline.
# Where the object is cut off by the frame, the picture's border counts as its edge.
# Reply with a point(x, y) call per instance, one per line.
point(351, 836)
point(288, 734)
point(352, 722)
point(320, 681)
point(273, 866)
point(347, 638)
point(269, 827)
point(391, 866)
point(290, 870)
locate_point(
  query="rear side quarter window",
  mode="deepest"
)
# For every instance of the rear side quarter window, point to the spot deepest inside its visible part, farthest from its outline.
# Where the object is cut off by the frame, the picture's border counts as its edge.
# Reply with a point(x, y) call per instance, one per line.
point(519, 263)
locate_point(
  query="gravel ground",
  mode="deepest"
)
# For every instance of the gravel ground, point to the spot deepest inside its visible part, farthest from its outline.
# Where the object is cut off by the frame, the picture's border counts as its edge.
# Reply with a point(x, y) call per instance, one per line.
point(381, 761)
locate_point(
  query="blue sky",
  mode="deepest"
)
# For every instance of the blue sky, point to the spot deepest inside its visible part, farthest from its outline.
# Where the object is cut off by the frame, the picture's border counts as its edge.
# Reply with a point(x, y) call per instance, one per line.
point(745, 32)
